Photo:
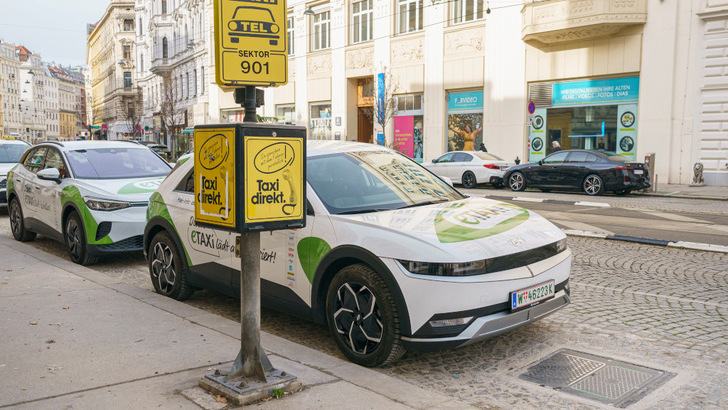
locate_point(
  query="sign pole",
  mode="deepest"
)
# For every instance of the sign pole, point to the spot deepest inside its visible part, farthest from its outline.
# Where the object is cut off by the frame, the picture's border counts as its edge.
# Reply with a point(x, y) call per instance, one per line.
point(249, 105)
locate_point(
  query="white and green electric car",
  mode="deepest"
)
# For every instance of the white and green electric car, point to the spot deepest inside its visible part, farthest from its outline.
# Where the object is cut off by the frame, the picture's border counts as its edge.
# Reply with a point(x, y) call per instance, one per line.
point(391, 258)
point(90, 195)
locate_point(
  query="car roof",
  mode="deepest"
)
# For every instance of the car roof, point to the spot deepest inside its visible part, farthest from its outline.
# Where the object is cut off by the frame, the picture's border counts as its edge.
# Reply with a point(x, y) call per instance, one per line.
point(13, 142)
point(76, 145)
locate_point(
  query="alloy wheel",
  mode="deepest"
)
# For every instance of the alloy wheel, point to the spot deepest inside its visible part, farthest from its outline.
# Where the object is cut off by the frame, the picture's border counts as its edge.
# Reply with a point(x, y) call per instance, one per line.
point(516, 182)
point(73, 239)
point(15, 218)
point(163, 269)
point(357, 317)
point(592, 185)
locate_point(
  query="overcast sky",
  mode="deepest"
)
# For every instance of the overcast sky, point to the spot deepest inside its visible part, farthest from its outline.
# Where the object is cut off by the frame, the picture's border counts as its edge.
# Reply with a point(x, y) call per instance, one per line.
point(56, 29)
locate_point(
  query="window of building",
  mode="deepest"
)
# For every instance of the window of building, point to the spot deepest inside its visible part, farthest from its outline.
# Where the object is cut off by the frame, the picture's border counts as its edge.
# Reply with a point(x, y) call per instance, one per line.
point(128, 25)
point(202, 80)
point(127, 52)
point(141, 31)
point(320, 121)
point(410, 16)
point(194, 82)
point(289, 27)
point(286, 114)
point(321, 24)
point(165, 48)
point(164, 6)
point(141, 62)
point(361, 21)
point(187, 85)
point(127, 79)
point(466, 10)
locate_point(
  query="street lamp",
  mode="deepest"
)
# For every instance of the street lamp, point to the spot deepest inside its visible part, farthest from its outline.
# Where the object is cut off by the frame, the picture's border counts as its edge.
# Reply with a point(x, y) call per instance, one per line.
point(308, 12)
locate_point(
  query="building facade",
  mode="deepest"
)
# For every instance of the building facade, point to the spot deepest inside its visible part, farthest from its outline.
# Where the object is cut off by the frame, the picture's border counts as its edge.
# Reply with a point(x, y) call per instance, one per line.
point(10, 90)
point(110, 58)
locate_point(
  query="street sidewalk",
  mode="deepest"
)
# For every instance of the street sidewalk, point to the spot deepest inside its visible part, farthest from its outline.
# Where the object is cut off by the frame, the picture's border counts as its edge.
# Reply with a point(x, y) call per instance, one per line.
point(693, 192)
point(73, 337)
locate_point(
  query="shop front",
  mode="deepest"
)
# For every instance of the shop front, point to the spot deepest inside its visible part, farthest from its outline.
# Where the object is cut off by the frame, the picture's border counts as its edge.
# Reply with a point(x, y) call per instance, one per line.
point(597, 114)
point(464, 120)
point(408, 120)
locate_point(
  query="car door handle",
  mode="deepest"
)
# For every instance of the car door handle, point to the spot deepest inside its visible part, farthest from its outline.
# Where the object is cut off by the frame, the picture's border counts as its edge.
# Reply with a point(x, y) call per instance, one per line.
point(37, 187)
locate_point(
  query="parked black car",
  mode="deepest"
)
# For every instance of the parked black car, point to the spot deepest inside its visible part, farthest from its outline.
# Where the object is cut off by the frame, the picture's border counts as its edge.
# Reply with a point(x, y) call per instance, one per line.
point(594, 172)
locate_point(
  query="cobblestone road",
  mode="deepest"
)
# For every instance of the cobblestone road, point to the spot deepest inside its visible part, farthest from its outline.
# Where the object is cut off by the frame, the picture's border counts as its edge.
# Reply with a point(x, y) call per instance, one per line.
point(657, 307)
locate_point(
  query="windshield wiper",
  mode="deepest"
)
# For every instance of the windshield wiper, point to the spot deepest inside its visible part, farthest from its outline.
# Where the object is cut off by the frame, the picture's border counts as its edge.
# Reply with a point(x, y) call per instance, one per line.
point(363, 211)
point(439, 201)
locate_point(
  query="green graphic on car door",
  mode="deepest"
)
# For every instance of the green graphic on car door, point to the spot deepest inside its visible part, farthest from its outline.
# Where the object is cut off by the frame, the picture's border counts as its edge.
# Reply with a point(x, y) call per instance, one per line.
point(157, 207)
point(310, 252)
point(460, 222)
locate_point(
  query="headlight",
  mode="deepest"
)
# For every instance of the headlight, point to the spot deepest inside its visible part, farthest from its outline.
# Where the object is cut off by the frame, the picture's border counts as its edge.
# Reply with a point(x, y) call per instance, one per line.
point(561, 245)
point(105, 204)
point(446, 269)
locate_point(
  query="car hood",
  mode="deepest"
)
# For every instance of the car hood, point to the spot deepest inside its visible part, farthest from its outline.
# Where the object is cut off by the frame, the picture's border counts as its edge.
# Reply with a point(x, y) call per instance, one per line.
point(131, 190)
point(5, 167)
point(458, 231)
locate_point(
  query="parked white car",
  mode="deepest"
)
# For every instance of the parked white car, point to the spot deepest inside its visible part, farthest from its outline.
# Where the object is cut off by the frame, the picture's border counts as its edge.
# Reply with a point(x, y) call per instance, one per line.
point(470, 168)
point(90, 195)
point(391, 258)
point(11, 150)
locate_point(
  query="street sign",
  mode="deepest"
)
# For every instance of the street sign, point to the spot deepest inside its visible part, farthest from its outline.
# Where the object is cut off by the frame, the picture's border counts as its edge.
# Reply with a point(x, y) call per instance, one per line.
point(251, 42)
point(215, 170)
point(531, 107)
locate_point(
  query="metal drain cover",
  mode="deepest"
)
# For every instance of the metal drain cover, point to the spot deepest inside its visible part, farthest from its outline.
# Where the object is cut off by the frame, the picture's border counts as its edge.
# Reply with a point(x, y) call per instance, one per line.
point(598, 378)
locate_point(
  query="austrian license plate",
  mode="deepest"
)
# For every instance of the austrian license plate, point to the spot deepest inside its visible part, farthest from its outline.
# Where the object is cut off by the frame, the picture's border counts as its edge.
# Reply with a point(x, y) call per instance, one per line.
point(531, 296)
point(638, 172)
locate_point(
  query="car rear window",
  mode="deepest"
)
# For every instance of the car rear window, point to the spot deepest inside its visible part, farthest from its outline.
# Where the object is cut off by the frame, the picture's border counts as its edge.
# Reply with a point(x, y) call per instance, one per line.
point(11, 153)
point(116, 163)
point(487, 157)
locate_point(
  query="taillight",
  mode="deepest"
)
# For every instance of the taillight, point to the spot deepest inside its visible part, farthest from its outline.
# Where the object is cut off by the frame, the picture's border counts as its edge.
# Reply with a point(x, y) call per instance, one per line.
point(491, 166)
point(625, 168)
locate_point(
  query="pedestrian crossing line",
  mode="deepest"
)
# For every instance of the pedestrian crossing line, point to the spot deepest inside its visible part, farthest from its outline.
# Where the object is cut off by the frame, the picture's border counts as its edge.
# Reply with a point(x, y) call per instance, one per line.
point(673, 217)
point(580, 226)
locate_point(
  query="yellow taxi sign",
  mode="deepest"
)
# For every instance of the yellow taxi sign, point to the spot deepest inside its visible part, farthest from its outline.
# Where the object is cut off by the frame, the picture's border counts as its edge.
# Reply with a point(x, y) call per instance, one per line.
point(274, 179)
point(251, 42)
point(214, 176)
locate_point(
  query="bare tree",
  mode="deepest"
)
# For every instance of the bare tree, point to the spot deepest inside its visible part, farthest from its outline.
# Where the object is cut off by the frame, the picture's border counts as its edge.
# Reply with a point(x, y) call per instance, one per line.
point(385, 102)
point(171, 113)
point(130, 111)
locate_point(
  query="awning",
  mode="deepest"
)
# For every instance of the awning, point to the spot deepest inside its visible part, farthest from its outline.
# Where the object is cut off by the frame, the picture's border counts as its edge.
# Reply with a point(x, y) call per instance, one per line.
point(188, 131)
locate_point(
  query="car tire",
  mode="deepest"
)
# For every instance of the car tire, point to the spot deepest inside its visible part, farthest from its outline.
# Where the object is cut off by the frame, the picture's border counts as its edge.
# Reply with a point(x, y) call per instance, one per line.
point(350, 318)
point(469, 180)
point(593, 185)
point(517, 181)
point(17, 225)
point(167, 269)
point(75, 235)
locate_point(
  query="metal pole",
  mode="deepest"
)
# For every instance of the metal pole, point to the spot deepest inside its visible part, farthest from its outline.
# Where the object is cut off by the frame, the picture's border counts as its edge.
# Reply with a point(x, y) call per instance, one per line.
point(250, 114)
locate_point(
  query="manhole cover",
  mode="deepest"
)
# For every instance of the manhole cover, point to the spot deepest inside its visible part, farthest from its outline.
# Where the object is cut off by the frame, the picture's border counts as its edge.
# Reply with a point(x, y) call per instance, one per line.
point(598, 378)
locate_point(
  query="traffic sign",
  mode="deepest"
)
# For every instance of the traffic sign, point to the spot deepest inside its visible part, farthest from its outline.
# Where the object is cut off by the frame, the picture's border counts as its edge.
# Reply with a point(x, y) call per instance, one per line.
point(531, 107)
point(251, 42)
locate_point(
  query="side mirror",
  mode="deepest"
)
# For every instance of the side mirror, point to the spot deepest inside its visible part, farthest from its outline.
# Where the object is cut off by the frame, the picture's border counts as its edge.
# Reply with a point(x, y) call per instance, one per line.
point(540, 162)
point(50, 174)
point(446, 179)
point(434, 161)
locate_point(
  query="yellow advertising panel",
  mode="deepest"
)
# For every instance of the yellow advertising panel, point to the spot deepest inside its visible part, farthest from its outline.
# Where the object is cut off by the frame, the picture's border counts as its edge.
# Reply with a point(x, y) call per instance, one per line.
point(214, 176)
point(274, 179)
point(250, 42)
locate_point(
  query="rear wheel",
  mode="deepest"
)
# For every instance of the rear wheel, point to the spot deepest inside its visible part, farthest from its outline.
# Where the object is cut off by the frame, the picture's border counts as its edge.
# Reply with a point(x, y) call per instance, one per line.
point(76, 241)
point(469, 180)
point(593, 185)
point(517, 182)
point(362, 317)
point(17, 226)
point(167, 269)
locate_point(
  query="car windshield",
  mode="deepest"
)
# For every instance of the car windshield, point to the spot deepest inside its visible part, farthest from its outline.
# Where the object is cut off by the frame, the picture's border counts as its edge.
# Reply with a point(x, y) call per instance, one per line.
point(487, 157)
point(369, 181)
point(11, 153)
point(113, 163)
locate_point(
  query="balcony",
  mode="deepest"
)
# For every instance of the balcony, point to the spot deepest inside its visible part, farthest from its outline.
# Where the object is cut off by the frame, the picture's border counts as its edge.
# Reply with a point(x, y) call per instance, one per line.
point(560, 21)
point(161, 65)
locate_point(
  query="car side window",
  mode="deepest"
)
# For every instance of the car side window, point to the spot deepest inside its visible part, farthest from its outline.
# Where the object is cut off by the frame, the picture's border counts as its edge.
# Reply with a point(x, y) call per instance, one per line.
point(187, 184)
point(578, 156)
point(34, 162)
point(592, 158)
point(462, 157)
point(53, 160)
point(556, 158)
point(446, 158)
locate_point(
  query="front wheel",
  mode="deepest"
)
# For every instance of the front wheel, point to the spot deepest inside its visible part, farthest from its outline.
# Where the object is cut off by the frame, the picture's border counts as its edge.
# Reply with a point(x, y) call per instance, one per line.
point(469, 180)
point(593, 185)
point(167, 269)
point(17, 226)
point(517, 182)
point(76, 241)
point(362, 317)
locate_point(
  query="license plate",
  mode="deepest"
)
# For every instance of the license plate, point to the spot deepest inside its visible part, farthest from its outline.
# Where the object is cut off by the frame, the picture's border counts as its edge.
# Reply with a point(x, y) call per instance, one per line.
point(531, 296)
point(638, 172)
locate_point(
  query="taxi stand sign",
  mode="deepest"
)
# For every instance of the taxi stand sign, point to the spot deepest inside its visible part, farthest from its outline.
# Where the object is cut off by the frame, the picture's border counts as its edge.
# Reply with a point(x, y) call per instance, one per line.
point(250, 177)
point(250, 42)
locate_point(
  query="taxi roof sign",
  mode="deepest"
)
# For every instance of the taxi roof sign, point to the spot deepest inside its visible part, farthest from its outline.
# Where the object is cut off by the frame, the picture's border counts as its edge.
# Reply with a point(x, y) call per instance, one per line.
point(251, 42)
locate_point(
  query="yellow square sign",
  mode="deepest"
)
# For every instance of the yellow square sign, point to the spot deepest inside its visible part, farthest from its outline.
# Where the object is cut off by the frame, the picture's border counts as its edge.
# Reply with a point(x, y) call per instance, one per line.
point(214, 176)
point(251, 42)
point(274, 179)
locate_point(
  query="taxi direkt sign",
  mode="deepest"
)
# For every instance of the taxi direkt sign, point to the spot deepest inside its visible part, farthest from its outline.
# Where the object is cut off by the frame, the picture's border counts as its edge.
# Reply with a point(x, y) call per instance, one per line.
point(250, 42)
point(214, 176)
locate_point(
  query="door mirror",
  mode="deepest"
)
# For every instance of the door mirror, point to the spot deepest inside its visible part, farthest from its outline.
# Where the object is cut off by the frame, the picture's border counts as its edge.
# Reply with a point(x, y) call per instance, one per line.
point(446, 179)
point(434, 161)
point(540, 162)
point(50, 174)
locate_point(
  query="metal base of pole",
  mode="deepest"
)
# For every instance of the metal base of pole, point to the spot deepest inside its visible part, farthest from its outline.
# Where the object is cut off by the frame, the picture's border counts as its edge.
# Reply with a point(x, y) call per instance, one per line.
point(242, 391)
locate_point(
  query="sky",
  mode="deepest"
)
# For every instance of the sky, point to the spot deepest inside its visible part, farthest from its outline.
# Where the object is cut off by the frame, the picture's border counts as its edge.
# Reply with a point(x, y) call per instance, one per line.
point(55, 29)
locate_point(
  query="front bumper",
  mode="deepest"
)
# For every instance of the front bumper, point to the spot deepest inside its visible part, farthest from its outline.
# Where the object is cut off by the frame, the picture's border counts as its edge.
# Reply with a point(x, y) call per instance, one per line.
point(3, 197)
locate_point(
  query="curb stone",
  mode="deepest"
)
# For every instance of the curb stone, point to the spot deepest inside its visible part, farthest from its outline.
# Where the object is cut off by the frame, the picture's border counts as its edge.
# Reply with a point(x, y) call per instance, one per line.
point(658, 242)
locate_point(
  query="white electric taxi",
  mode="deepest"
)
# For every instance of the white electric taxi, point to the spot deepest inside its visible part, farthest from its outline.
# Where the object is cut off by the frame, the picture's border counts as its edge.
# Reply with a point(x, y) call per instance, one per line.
point(391, 258)
point(90, 195)
point(11, 150)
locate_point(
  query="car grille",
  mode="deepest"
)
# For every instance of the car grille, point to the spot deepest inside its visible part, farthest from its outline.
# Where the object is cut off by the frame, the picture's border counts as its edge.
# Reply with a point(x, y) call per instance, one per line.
point(3, 183)
point(135, 243)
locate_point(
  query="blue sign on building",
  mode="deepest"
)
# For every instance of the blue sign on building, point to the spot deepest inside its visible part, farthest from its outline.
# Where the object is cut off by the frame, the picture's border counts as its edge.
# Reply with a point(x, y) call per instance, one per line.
point(469, 101)
point(606, 91)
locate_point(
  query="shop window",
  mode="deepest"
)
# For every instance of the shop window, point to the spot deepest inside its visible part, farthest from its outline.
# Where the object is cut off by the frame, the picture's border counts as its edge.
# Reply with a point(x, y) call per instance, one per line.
point(286, 114)
point(466, 10)
point(321, 25)
point(408, 126)
point(361, 21)
point(465, 121)
point(320, 122)
point(410, 14)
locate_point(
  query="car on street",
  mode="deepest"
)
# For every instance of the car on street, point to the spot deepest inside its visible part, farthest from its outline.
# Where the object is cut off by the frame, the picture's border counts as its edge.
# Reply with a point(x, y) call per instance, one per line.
point(470, 168)
point(11, 150)
point(161, 149)
point(90, 195)
point(593, 172)
point(392, 258)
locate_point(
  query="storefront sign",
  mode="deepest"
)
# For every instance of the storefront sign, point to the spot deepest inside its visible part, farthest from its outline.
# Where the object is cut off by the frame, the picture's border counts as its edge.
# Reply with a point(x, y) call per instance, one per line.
point(404, 134)
point(215, 176)
point(470, 101)
point(627, 130)
point(465, 121)
point(604, 91)
point(537, 137)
